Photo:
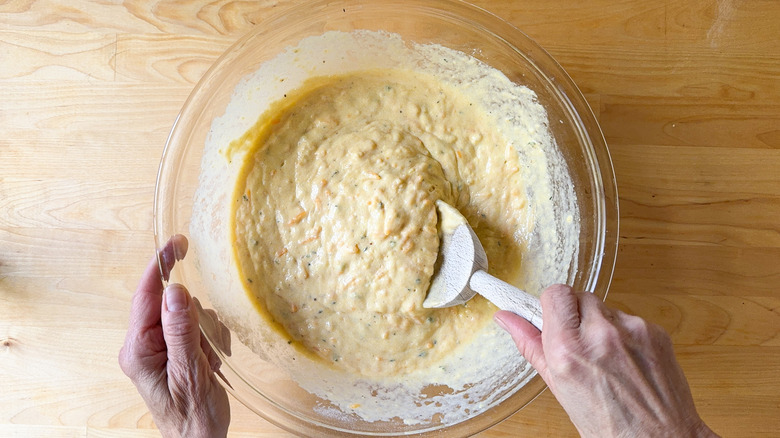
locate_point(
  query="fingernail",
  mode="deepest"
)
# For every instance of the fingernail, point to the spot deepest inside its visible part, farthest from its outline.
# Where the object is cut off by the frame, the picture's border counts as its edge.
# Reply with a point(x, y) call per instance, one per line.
point(176, 298)
point(180, 245)
point(165, 259)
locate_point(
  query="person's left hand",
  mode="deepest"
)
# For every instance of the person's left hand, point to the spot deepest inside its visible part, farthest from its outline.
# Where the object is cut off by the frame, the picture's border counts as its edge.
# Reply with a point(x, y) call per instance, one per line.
point(169, 360)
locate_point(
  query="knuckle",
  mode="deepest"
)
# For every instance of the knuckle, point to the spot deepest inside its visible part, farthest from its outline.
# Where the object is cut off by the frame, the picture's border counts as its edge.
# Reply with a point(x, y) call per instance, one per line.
point(123, 360)
point(564, 359)
point(634, 324)
point(127, 363)
point(557, 290)
point(180, 375)
point(644, 330)
point(179, 330)
point(607, 338)
point(606, 330)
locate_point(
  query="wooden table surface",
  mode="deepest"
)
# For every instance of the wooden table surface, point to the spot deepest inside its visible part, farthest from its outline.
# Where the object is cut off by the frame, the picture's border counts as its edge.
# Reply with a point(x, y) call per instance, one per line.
point(688, 95)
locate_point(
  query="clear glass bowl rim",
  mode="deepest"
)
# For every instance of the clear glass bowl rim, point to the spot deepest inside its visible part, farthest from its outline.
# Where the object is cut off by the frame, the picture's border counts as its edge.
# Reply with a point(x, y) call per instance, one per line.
point(564, 87)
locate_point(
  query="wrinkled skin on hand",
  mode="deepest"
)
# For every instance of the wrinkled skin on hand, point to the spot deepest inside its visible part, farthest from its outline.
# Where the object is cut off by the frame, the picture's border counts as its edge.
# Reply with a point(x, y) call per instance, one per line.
point(168, 359)
point(615, 374)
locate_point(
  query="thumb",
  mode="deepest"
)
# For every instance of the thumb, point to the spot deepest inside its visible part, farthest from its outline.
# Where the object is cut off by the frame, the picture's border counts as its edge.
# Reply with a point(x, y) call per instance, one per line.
point(527, 338)
point(180, 326)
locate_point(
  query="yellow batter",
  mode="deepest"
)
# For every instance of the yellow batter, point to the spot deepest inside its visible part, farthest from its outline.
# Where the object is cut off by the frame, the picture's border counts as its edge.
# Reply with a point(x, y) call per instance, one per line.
point(336, 225)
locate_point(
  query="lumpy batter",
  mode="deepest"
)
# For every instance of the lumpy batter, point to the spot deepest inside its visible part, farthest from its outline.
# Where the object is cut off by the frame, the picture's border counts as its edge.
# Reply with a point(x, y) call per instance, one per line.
point(336, 225)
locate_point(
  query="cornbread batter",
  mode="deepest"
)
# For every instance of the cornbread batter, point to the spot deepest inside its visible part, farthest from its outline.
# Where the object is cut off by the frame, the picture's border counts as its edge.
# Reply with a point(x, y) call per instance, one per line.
point(335, 223)
point(474, 126)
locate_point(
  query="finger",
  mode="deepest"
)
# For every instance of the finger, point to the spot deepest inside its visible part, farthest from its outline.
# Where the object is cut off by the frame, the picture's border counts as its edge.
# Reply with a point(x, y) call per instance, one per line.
point(214, 361)
point(225, 337)
point(593, 310)
point(144, 349)
point(143, 340)
point(528, 339)
point(560, 308)
point(175, 249)
point(222, 337)
point(217, 333)
point(180, 327)
point(209, 323)
point(145, 309)
point(217, 330)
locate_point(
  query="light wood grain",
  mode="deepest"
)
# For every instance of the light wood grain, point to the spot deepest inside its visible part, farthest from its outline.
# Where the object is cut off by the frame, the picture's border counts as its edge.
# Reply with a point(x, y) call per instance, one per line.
point(35, 431)
point(680, 121)
point(114, 107)
point(57, 55)
point(675, 269)
point(688, 196)
point(687, 94)
point(167, 58)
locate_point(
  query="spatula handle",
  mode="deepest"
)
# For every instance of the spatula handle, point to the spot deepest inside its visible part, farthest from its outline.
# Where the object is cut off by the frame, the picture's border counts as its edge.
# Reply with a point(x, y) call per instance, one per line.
point(507, 297)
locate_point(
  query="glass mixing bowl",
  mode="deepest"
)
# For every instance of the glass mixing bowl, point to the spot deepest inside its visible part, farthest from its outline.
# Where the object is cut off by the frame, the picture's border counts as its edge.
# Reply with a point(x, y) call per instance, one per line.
point(257, 382)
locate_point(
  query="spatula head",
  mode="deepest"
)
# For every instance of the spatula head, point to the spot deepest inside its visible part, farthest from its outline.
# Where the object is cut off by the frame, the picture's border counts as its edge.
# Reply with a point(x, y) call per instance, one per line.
point(460, 255)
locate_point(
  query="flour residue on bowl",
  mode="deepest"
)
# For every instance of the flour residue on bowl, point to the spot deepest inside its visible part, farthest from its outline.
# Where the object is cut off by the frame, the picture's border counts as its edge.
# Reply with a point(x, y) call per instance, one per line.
point(439, 383)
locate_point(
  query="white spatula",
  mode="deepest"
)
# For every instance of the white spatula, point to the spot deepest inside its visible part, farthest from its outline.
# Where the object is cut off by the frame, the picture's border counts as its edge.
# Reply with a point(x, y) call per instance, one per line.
point(462, 272)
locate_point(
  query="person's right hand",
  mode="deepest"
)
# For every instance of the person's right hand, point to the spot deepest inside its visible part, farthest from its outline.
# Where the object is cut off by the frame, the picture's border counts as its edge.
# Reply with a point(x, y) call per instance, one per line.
point(615, 374)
